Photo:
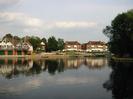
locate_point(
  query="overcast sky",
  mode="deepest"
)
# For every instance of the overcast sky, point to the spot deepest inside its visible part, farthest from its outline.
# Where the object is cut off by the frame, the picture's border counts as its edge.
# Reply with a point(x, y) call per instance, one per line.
point(81, 20)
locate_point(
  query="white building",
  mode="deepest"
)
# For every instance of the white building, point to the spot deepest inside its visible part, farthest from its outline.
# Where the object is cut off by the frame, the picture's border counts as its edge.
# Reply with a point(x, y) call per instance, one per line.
point(6, 44)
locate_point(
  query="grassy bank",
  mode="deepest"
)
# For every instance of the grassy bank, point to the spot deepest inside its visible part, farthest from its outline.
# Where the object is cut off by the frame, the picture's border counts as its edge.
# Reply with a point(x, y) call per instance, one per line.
point(54, 55)
point(122, 59)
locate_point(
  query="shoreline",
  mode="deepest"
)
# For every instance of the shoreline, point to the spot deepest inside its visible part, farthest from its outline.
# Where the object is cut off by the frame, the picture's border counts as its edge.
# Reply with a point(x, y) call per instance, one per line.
point(122, 59)
point(51, 56)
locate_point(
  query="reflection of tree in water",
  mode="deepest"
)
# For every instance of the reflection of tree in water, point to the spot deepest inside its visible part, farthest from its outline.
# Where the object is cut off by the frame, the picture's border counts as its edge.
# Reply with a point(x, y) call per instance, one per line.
point(15, 67)
point(55, 65)
point(36, 69)
point(121, 80)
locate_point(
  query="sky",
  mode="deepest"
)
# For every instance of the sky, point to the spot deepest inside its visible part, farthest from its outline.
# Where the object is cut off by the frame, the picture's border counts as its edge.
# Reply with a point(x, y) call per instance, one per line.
point(81, 20)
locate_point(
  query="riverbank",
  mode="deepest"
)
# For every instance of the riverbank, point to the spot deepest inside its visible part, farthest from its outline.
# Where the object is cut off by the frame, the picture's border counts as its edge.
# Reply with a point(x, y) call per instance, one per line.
point(121, 59)
point(55, 55)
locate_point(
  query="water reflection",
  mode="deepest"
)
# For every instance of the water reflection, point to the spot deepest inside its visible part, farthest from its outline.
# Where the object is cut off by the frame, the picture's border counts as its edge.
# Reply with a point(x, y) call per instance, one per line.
point(10, 68)
point(121, 80)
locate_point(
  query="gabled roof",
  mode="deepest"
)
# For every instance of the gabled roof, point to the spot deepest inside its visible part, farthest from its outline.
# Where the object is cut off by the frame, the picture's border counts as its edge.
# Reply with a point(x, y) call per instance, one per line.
point(96, 43)
point(72, 43)
point(11, 40)
point(42, 43)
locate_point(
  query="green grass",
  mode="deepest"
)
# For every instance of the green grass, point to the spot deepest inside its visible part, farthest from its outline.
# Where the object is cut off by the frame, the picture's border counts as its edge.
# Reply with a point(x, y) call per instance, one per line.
point(122, 59)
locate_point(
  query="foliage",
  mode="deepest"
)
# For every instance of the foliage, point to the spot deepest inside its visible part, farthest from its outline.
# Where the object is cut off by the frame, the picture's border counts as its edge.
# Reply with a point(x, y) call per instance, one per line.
point(121, 34)
point(35, 41)
point(60, 44)
point(52, 44)
point(44, 40)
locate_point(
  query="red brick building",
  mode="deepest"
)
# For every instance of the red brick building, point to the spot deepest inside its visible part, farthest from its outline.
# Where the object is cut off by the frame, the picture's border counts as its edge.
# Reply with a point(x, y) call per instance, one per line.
point(95, 46)
point(72, 46)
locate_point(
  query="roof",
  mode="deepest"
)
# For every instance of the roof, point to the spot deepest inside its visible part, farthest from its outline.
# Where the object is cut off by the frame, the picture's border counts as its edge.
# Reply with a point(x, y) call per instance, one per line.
point(72, 43)
point(96, 43)
point(42, 43)
point(13, 41)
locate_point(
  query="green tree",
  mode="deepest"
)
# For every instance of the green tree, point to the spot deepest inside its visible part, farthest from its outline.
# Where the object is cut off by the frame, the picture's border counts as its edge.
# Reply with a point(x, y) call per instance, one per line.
point(44, 40)
point(52, 44)
point(120, 34)
point(35, 41)
point(60, 44)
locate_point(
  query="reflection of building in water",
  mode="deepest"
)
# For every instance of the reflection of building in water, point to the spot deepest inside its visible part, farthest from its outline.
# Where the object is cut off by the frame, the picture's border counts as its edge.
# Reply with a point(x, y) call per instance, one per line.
point(24, 67)
point(13, 66)
point(73, 63)
point(93, 63)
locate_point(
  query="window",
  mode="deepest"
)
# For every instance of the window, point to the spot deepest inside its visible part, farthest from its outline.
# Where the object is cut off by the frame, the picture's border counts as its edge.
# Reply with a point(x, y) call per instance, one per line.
point(69, 46)
point(75, 45)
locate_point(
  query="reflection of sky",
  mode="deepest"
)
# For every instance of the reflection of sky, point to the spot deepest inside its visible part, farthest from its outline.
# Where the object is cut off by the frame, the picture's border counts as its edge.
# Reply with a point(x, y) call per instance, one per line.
point(60, 84)
point(81, 77)
point(36, 82)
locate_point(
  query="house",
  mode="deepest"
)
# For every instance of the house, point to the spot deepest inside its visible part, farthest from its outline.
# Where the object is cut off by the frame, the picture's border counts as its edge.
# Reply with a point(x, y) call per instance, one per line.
point(95, 46)
point(72, 46)
point(11, 47)
point(42, 47)
point(6, 47)
point(24, 48)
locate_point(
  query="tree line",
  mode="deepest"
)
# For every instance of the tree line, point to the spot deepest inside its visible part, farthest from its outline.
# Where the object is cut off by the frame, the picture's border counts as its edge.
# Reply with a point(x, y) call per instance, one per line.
point(51, 44)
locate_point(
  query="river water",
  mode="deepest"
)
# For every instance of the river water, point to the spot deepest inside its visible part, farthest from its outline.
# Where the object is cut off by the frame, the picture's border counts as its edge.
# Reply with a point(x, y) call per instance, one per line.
point(70, 78)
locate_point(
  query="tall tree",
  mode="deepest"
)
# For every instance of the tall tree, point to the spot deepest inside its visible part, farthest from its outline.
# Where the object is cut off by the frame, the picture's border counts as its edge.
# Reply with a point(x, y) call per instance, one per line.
point(52, 44)
point(44, 40)
point(120, 34)
point(35, 41)
point(60, 44)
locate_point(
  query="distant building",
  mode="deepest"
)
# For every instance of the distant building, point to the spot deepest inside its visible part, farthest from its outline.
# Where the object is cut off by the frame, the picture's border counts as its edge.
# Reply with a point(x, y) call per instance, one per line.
point(72, 46)
point(95, 46)
point(42, 47)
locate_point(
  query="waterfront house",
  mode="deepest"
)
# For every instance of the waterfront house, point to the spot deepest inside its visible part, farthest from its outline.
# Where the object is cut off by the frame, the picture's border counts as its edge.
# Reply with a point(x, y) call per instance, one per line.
point(11, 47)
point(72, 46)
point(24, 48)
point(95, 46)
point(42, 47)
point(6, 47)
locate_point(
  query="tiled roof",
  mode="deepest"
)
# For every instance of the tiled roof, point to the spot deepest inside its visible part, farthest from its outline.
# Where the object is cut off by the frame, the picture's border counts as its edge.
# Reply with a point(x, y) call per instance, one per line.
point(96, 43)
point(72, 43)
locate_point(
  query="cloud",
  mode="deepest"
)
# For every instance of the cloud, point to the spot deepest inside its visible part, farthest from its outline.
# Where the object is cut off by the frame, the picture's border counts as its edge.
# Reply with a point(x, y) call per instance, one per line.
point(8, 3)
point(19, 22)
point(4, 2)
point(14, 21)
point(19, 19)
point(73, 24)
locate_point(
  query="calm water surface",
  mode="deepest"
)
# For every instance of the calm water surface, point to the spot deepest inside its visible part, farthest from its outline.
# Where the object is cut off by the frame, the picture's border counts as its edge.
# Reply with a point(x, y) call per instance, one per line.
point(73, 78)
